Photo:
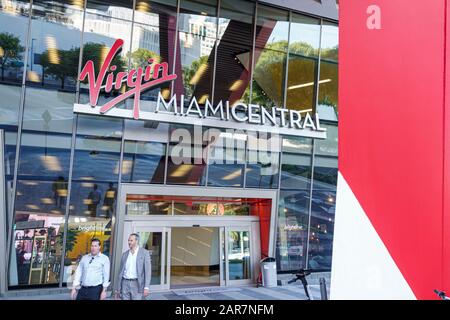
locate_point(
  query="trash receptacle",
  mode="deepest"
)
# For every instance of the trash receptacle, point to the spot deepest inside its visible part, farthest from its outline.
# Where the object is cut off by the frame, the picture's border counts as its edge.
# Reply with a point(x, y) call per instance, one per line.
point(269, 272)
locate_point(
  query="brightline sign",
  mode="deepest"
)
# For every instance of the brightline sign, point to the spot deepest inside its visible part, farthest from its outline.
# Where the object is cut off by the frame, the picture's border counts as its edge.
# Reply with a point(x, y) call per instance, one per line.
point(238, 116)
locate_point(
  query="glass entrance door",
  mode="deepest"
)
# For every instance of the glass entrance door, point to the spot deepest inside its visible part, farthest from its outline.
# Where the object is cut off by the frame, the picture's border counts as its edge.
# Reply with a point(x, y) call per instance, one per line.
point(155, 239)
point(185, 255)
point(238, 255)
point(194, 257)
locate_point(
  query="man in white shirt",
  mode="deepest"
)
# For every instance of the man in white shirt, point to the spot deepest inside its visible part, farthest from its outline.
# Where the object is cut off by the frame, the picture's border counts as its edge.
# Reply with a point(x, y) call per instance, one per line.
point(92, 275)
point(135, 271)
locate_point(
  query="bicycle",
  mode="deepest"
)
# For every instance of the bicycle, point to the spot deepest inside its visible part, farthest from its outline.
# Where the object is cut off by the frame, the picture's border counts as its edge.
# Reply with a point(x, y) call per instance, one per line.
point(301, 275)
point(441, 295)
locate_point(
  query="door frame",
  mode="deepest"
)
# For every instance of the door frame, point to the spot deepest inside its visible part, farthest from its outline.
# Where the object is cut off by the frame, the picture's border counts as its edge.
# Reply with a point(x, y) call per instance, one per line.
point(188, 191)
point(132, 227)
point(230, 282)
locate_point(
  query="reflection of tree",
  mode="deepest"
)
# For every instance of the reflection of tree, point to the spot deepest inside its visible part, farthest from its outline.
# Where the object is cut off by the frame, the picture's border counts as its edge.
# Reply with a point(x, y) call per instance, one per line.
point(189, 72)
point(328, 92)
point(140, 57)
point(330, 53)
point(61, 63)
point(97, 53)
point(269, 74)
point(10, 50)
point(71, 241)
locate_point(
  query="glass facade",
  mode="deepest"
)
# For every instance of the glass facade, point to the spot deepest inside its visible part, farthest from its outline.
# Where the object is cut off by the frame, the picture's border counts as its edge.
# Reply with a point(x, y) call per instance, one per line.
point(63, 171)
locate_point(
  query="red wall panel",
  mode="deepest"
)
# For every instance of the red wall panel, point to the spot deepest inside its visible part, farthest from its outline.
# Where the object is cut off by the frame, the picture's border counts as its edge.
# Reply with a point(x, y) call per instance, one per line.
point(391, 130)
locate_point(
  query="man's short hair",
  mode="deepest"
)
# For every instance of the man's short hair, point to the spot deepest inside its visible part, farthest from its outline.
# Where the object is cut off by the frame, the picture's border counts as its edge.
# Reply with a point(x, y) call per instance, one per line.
point(136, 236)
point(96, 240)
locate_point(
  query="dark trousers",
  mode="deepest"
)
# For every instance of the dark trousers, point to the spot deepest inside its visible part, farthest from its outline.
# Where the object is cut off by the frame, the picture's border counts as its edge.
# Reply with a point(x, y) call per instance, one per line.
point(90, 293)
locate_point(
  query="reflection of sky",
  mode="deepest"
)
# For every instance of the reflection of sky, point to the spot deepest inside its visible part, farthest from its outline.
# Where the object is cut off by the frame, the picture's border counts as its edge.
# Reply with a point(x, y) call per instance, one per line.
point(308, 33)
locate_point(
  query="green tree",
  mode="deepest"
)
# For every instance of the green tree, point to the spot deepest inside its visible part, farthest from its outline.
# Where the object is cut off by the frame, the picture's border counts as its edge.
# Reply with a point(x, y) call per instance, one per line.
point(10, 50)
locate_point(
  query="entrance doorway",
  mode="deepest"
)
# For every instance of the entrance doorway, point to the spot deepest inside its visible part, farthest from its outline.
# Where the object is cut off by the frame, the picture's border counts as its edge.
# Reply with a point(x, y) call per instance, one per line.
point(198, 253)
point(197, 241)
point(195, 257)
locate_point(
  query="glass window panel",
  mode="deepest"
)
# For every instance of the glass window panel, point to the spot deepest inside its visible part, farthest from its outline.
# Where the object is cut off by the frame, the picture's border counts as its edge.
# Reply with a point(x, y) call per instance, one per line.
point(269, 78)
point(44, 155)
point(263, 161)
point(236, 21)
point(234, 208)
point(330, 41)
point(323, 202)
point(325, 173)
point(233, 68)
point(265, 172)
point(96, 167)
point(198, 17)
point(304, 42)
point(41, 196)
point(152, 241)
point(292, 229)
point(239, 255)
point(36, 249)
point(148, 205)
point(13, 29)
point(297, 145)
point(93, 198)
point(99, 126)
point(78, 242)
point(96, 159)
point(304, 37)
point(105, 22)
point(226, 160)
point(52, 71)
point(328, 90)
point(328, 146)
point(211, 206)
point(195, 67)
point(296, 164)
point(55, 44)
point(322, 229)
point(301, 79)
point(194, 257)
point(196, 43)
point(194, 207)
point(272, 28)
point(328, 83)
point(154, 32)
point(158, 13)
point(122, 9)
point(43, 173)
point(186, 161)
point(144, 162)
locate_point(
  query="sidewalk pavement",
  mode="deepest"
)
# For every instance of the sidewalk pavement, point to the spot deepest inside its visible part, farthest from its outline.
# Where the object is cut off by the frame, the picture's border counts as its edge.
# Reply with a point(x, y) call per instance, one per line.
point(286, 292)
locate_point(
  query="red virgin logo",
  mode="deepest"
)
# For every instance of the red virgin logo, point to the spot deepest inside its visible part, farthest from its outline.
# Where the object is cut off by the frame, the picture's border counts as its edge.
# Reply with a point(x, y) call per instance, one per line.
point(138, 80)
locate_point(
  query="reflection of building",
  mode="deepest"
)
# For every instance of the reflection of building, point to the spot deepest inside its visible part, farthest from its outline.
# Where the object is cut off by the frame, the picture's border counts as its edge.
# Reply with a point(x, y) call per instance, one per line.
point(199, 211)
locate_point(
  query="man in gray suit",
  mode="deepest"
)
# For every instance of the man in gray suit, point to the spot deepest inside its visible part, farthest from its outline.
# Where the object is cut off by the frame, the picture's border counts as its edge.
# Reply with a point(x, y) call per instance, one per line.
point(135, 271)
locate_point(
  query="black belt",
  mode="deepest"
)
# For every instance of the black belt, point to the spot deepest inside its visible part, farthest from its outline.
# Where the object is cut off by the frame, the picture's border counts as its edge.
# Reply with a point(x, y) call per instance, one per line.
point(88, 287)
point(130, 279)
